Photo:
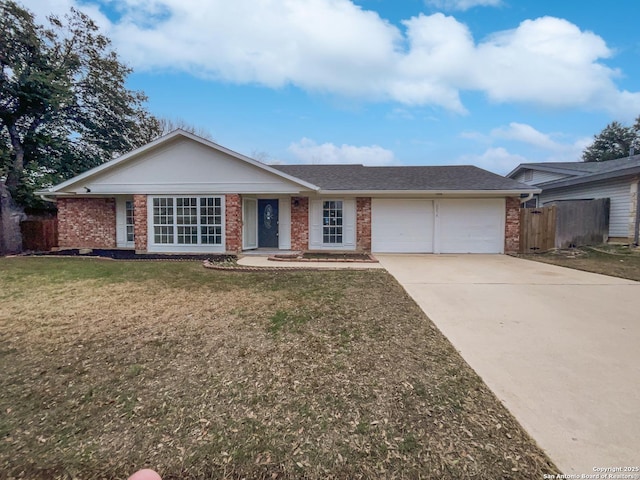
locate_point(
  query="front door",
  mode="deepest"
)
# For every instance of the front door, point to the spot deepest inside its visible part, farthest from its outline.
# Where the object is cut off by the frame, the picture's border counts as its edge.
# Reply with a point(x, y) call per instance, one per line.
point(268, 223)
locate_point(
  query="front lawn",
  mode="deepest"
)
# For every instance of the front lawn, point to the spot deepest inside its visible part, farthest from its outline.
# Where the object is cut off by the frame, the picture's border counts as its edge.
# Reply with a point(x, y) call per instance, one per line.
point(111, 366)
point(617, 261)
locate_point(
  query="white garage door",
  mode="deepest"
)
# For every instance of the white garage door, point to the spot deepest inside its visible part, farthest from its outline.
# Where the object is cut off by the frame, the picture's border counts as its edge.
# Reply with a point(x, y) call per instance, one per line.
point(401, 225)
point(471, 226)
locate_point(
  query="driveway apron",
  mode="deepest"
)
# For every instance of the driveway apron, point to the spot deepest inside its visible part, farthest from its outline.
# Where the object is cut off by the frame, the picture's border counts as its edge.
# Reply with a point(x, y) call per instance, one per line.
point(559, 347)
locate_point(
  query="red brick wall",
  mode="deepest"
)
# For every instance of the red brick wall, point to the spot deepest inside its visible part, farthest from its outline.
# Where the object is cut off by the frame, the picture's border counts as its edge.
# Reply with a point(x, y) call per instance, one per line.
point(512, 226)
point(140, 222)
point(233, 223)
point(363, 223)
point(299, 223)
point(86, 222)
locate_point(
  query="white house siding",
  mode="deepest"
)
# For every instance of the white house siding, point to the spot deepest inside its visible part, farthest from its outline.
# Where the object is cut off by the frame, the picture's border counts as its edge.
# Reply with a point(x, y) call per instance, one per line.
point(618, 190)
point(184, 166)
point(542, 177)
point(539, 177)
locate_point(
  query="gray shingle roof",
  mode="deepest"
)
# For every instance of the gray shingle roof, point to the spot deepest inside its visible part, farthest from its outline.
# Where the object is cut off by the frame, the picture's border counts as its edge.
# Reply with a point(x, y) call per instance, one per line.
point(589, 168)
point(584, 172)
point(361, 178)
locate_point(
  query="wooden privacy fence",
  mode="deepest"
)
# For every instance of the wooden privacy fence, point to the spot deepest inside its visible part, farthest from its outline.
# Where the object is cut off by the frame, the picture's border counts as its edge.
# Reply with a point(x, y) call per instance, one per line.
point(582, 222)
point(39, 235)
point(564, 224)
point(537, 229)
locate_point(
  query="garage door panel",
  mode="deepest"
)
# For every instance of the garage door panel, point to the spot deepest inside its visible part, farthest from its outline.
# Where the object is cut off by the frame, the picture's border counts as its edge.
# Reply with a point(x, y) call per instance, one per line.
point(402, 225)
point(471, 226)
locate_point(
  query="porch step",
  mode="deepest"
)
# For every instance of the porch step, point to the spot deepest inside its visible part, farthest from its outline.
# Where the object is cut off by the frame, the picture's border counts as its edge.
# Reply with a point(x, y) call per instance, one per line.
point(267, 252)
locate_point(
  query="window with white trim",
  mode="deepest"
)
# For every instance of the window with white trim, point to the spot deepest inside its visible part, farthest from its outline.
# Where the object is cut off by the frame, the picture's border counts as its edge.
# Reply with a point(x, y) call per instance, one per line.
point(129, 220)
point(332, 220)
point(187, 220)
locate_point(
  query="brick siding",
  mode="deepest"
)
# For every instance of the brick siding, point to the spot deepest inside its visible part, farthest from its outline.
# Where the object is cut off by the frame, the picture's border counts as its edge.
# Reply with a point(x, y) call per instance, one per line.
point(86, 222)
point(363, 223)
point(233, 223)
point(140, 222)
point(299, 223)
point(512, 226)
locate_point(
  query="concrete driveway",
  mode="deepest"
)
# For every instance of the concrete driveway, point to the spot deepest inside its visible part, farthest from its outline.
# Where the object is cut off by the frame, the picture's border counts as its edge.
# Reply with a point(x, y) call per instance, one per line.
point(559, 347)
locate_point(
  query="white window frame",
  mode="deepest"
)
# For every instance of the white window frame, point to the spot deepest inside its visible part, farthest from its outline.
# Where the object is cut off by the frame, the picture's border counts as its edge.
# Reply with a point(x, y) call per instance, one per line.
point(329, 226)
point(175, 247)
point(129, 207)
point(316, 224)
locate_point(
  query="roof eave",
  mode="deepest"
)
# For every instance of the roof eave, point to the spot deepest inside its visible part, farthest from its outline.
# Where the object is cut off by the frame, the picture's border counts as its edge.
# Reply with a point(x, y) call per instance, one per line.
point(590, 178)
point(469, 193)
point(543, 168)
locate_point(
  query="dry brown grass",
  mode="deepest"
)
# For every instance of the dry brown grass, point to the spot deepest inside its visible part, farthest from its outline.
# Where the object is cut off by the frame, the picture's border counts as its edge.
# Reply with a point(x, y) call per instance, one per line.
point(108, 367)
point(617, 261)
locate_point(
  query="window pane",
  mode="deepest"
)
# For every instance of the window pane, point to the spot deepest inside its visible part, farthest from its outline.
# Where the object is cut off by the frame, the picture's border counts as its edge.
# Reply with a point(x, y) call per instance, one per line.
point(163, 234)
point(211, 221)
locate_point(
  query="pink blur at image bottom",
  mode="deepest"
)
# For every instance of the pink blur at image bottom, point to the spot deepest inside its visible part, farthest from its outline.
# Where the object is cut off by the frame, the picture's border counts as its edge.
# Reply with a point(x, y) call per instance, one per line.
point(145, 474)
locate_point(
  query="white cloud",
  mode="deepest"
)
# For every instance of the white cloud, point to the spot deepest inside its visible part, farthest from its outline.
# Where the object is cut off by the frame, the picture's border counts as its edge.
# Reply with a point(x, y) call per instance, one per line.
point(547, 147)
point(527, 134)
point(558, 150)
point(308, 151)
point(549, 62)
point(337, 47)
point(497, 160)
point(462, 4)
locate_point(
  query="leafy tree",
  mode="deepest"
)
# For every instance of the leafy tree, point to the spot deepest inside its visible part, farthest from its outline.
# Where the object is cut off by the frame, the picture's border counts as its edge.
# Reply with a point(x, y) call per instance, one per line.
point(64, 106)
point(614, 141)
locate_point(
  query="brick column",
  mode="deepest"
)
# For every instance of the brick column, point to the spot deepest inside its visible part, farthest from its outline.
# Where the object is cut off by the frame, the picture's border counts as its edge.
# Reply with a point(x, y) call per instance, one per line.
point(512, 226)
point(363, 223)
point(233, 223)
point(300, 223)
point(86, 222)
point(140, 223)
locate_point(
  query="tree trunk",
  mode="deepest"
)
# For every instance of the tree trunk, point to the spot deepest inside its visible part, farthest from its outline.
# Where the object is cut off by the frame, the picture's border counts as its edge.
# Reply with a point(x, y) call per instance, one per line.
point(16, 170)
point(10, 217)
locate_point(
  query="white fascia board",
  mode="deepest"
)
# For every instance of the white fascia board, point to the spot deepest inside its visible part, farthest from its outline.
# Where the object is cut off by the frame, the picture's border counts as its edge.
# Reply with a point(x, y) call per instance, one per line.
point(165, 139)
point(423, 193)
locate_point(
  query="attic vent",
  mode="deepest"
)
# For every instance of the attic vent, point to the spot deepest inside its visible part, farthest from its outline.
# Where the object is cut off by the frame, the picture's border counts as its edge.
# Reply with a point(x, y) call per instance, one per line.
point(528, 175)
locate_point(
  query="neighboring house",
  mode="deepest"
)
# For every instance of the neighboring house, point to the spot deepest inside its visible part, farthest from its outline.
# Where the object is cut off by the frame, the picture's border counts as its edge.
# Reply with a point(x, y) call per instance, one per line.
point(613, 179)
point(182, 193)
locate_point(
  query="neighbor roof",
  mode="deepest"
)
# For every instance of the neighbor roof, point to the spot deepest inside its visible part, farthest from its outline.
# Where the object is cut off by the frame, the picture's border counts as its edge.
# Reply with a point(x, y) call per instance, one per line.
point(583, 172)
point(405, 178)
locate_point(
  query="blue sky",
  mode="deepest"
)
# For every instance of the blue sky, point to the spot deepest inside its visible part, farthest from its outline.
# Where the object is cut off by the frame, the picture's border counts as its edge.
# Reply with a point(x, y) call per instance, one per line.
point(414, 82)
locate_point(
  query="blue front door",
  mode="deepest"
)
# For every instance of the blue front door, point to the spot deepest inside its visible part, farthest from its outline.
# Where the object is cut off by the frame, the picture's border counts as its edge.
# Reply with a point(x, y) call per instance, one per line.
point(268, 223)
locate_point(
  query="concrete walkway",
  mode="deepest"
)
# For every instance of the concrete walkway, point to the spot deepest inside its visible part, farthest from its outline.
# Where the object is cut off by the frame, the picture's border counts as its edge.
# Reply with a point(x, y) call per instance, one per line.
point(559, 347)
